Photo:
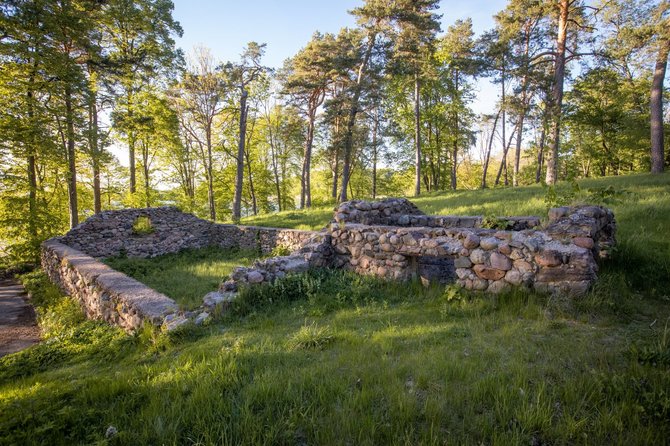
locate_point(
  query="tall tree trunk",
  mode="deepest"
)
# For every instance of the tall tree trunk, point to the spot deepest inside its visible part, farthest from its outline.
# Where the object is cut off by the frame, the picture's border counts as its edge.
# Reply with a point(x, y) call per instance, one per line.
point(503, 162)
point(275, 167)
point(417, 134)
point(657, 149)
point(95, 152)
point(336, 160)
point(72, 166)
point(375, 125)
point(487, 156)
point(540, 154)
point(504, 121)
point(519, 137)
point(454, 152)
point(557, 91)
point(351, 121)
point(306, 190)
point(210, 175)
point(237, 200)
point(145, 173)
point(252, 190)
point(131, 146)
point(32, 170)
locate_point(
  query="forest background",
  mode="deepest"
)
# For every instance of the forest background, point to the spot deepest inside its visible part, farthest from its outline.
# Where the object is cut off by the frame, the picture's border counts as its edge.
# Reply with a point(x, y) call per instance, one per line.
point(381, 108)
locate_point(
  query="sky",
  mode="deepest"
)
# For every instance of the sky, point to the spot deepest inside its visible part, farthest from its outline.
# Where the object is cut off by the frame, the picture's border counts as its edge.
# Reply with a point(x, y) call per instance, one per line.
point(226, 26)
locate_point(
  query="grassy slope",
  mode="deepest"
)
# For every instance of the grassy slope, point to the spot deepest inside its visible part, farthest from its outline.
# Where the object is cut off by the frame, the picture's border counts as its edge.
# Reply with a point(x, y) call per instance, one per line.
point(185, 277)
point(350, 360)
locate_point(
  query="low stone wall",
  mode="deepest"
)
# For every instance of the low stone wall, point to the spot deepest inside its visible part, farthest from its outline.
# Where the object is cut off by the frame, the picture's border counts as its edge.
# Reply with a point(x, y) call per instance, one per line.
point(316, 252)
point(560, 259)
point(103, 292)
point(257, 238)
point(402, 212)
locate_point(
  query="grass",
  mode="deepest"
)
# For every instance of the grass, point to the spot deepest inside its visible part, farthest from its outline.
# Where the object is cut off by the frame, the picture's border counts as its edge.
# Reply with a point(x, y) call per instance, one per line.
point(333, 358)
point(311, 219)
point(187, 276)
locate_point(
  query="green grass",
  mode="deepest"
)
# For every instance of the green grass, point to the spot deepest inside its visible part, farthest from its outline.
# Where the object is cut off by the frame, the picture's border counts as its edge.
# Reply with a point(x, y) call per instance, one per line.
point(333, 358)
point(186, 276)
point(313, 219)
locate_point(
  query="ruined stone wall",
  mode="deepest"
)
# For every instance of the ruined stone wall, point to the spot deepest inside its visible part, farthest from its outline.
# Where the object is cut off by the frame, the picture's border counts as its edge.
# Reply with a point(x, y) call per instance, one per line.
point(391, 238)
point(560, 259)
point(111, 233)
point(402, 212)
point(103, 292)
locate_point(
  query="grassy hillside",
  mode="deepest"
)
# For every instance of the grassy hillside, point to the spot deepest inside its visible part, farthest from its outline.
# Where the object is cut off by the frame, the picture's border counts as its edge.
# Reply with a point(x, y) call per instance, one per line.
point(334, 358)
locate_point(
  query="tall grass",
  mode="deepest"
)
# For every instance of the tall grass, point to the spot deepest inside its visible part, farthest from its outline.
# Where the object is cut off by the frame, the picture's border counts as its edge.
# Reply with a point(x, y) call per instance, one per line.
point(333, 358)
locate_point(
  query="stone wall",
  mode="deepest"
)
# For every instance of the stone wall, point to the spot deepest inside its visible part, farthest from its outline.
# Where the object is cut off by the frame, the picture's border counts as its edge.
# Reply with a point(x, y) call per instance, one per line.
point(402, 212)
point(559, 259)
point(390, 238)
point(103, 292)
point(111, 233)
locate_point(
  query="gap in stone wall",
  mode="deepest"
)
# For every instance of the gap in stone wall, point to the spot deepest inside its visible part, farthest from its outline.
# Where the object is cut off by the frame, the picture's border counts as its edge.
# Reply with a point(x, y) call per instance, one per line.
point(435, 269)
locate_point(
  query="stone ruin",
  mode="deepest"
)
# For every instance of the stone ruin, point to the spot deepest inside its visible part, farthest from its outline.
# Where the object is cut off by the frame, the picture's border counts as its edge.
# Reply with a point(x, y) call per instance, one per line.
point(389, 238)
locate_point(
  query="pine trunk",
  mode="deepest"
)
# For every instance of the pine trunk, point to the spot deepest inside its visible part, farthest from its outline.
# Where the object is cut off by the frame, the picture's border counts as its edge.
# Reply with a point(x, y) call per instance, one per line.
point(210, 179)
point(351, 120)
point(557, 91)
point(237, 200)
point(417, 135)
point(72, 166)
point(657, 149)
point(487, 156)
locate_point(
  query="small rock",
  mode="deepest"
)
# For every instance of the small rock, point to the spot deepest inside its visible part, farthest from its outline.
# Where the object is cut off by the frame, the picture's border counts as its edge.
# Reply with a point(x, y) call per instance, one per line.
point(471, 241)
point(201, 318)
point(174, 322)
point(485, 272)
point(462, 262)
point(504, 248)
point(583, 242)
point(549, 258)
point(514, 277)
point(556, 213)
point(500, 261)
point(478, 256)
point(489, 243)
point(254, 277)
point(111, 432)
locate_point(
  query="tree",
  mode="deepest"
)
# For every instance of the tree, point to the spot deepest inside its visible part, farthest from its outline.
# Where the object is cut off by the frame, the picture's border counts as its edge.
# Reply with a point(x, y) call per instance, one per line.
point(456, 54)
point(569, 16)
point(241, 75)
point(656, 107)
point(140, 35)
point(307, 77)
point(522, 28)
point(199, 99)
point(416, 27)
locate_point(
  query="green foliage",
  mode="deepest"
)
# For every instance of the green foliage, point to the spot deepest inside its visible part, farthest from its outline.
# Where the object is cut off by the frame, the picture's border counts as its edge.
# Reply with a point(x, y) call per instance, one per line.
point(142, 226)
point(493, 222)
point(278, 251)
point(311, 336)
point(323, 290)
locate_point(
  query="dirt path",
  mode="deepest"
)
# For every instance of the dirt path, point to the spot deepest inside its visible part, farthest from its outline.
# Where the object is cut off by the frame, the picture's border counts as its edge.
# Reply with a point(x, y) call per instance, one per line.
point(18, 327)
